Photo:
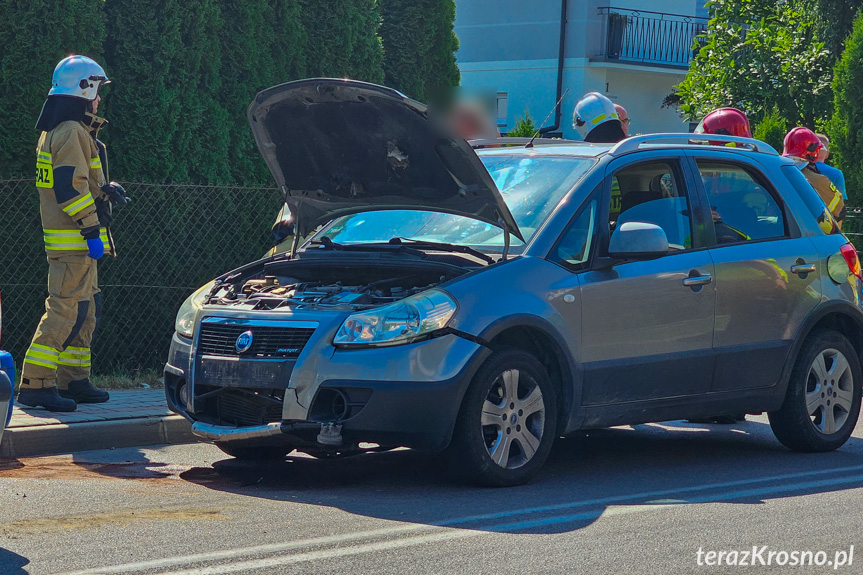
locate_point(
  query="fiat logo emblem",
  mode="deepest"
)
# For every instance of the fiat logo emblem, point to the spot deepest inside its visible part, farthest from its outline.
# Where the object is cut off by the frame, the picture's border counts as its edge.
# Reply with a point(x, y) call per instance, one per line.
point(244, 342)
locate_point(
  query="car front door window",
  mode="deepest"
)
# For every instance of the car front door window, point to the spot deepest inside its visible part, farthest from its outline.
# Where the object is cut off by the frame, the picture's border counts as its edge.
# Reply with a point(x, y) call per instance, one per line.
point(652, 193)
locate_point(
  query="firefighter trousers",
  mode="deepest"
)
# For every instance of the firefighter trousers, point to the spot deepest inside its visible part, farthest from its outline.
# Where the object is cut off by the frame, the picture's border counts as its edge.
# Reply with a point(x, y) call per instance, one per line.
point(60, 351)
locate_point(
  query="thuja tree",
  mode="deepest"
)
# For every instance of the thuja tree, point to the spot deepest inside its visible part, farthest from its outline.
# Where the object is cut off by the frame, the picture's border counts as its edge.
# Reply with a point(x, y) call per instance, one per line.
point(144, 53)
point(343, 39)
point(846, 126)
point(263, 43)
point(419, 46)
point(39, 33)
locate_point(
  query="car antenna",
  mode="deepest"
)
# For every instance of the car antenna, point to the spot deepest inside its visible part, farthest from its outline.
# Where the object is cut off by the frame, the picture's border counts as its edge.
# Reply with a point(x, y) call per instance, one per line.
point(530, 143)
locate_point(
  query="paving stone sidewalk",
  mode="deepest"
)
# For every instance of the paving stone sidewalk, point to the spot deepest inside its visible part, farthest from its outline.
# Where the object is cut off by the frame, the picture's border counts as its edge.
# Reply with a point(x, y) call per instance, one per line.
point(128, 419)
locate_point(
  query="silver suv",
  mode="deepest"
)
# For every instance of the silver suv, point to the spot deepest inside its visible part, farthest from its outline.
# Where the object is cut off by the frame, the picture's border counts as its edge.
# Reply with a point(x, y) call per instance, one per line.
point(485, 301)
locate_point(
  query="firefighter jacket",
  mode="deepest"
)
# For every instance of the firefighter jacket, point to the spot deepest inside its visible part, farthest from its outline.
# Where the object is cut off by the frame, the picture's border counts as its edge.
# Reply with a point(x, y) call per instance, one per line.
point(829, 194)
point(69, 177)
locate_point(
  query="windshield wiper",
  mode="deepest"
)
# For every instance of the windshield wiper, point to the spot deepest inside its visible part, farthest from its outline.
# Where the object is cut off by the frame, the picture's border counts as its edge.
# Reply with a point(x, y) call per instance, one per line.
point(444, 247)
point(328, 244)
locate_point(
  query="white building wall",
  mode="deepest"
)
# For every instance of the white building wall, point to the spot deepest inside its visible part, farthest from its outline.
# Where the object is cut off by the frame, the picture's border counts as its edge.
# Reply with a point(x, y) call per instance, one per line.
point(511, 46)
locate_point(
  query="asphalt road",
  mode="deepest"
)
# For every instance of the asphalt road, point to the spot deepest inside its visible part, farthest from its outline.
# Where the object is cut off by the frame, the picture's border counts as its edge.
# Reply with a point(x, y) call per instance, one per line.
point(625, 500)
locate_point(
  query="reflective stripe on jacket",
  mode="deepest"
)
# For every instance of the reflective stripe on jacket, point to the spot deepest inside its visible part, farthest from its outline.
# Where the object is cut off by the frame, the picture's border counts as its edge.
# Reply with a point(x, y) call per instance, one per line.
point(71, 240)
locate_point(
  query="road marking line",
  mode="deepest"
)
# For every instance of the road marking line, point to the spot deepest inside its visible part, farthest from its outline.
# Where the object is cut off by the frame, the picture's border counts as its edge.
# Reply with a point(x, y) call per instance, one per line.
point(326, 554)
point(178, 561)
point(255, 550)
point(335, 553)
point(646, 495)
point(625, 510)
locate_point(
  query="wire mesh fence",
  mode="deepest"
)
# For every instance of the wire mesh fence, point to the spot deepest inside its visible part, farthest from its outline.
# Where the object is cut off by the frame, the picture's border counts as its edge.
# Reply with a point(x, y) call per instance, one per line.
point(170, 240)
point(853, 226)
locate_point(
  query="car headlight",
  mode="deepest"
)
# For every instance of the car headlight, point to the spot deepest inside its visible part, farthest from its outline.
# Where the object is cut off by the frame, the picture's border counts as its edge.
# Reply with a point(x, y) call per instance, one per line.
point(185, 323)
point(398, 323)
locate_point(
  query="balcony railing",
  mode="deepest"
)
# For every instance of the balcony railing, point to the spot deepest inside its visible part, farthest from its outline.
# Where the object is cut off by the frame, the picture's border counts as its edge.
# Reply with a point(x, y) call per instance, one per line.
point(653, 38)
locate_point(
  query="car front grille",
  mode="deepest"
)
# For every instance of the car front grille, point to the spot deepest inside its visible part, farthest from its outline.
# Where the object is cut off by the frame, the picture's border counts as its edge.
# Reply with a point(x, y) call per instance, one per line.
point(267, 342)
point(242, 407)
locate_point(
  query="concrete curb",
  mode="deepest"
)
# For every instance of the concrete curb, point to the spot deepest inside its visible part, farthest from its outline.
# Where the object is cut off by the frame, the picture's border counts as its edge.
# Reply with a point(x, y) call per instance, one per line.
point(67, 438)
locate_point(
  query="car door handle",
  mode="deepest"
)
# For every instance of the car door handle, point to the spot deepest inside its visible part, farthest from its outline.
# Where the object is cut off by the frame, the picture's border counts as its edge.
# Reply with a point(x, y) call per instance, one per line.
point(803, 268)
point(697, 281)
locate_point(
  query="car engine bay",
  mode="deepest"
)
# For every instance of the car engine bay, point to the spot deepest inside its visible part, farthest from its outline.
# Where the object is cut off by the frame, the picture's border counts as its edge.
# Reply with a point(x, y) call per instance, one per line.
point(297, 285)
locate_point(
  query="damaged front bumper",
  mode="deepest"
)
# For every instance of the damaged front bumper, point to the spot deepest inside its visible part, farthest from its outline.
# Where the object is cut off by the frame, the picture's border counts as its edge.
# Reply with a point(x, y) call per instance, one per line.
point(228, 433)
point(397, 396)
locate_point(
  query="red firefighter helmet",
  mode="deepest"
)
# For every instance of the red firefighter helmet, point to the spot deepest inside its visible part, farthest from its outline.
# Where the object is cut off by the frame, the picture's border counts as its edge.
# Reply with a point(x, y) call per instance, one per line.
point(726, 122)
point(802, 143)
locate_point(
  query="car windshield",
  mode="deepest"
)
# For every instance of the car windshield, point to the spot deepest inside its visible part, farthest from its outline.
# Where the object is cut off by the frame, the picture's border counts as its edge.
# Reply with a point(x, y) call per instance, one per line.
point(531, 186)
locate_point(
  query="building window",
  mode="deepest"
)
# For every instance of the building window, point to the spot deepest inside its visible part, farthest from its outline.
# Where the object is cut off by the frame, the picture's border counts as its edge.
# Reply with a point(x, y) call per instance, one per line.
point(502, 108)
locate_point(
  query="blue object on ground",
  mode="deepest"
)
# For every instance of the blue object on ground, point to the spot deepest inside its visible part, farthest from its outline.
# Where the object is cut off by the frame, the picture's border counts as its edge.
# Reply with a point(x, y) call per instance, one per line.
point(7, 379)
point(835, 175)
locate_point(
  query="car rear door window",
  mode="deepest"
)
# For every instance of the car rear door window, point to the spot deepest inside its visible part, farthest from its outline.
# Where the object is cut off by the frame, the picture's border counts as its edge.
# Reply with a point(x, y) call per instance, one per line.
point(652, 193)
point(743, 210)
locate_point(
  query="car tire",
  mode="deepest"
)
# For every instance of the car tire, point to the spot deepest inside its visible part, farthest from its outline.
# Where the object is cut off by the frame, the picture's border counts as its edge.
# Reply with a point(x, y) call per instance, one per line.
point(259, 453)
point(822, 403)
point(507, 422)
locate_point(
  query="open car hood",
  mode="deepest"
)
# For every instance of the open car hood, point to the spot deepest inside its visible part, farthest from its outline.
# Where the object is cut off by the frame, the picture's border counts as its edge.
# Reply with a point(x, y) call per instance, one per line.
point(338, 147)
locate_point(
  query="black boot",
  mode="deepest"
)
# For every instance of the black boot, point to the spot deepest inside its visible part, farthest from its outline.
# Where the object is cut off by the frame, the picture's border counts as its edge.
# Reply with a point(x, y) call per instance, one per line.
point(46, 397)
point(83, 392)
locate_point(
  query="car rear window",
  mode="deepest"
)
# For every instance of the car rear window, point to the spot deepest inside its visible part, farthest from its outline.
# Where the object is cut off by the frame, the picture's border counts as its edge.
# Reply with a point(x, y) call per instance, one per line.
point(812, 200)
point(804, 188)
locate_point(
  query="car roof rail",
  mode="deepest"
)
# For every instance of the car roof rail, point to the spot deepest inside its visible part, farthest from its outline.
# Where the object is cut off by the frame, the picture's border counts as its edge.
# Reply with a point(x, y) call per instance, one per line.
point(508, 142)
point(635, 142)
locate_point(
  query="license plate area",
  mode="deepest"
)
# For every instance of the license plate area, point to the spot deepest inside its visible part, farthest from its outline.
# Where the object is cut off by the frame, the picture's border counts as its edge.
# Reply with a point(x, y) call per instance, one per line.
point(229, 372)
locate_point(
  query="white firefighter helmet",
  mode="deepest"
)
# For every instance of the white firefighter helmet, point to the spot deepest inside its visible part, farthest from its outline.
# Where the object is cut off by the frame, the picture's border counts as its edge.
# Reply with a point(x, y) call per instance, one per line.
point(78, 76)
point(592, 110)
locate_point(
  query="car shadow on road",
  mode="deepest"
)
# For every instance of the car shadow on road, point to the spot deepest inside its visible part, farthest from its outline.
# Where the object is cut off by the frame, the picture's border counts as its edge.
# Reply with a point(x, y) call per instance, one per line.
point(586, 475)
point(12, 563)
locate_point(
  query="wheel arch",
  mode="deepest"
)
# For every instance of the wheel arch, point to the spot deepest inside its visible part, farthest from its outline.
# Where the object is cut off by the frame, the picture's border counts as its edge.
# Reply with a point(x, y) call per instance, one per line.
point(543, 341)
point(843, 317)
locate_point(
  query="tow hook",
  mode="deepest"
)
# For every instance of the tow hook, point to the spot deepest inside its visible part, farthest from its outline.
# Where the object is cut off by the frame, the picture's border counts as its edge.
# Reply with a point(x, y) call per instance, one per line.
point(331, 434)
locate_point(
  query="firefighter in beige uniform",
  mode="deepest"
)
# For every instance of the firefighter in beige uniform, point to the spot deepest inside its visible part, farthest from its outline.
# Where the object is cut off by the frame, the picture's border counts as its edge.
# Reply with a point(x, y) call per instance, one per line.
point(76, 210)
point(802, 144)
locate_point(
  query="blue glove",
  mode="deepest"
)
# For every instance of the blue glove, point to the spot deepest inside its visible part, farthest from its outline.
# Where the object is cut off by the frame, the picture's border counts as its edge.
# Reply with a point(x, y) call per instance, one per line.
point(95, 248)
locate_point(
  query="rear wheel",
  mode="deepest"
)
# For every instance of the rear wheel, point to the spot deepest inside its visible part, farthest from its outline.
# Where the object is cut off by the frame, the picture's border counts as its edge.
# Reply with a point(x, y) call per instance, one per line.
point(507, 422)
point(260, 453)
point(822, 403)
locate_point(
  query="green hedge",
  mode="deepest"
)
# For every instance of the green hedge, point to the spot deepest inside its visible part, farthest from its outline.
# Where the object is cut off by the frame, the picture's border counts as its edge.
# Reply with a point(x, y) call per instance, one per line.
point(38, 34)
point(846, 130)
point(419, 45)
point(185, 71)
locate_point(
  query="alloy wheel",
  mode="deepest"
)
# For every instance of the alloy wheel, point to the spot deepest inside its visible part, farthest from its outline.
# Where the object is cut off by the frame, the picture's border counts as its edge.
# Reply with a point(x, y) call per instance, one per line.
point(829, 391)
point(513, 419)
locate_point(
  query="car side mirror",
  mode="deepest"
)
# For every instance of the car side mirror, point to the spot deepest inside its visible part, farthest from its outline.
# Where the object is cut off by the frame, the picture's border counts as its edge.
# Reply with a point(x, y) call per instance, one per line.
point(283, 230)
point(638, 241)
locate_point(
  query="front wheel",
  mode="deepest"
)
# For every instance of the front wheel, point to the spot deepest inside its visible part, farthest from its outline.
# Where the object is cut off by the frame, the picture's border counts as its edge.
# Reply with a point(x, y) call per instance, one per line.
point(822, 403)
point(507, 421)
